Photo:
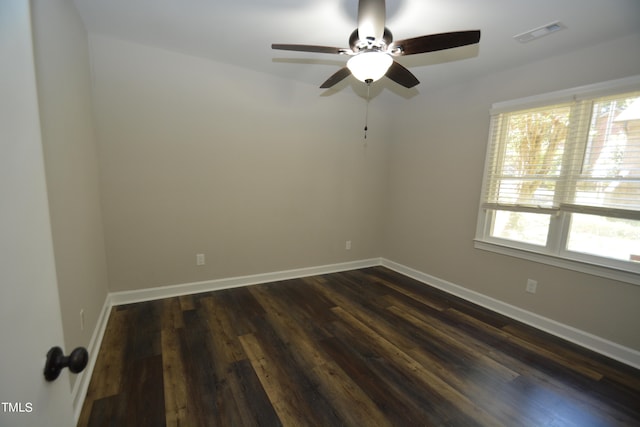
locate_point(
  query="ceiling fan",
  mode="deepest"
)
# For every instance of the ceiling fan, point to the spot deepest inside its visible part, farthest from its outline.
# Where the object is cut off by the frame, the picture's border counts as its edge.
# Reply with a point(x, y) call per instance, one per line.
point(372, 49)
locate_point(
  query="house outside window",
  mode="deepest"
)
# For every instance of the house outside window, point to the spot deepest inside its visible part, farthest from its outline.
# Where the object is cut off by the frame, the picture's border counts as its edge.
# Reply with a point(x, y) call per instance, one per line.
point(562, 180)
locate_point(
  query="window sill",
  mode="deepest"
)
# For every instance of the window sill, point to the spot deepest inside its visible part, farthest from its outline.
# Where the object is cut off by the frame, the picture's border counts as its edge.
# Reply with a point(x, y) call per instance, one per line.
point(556, 261)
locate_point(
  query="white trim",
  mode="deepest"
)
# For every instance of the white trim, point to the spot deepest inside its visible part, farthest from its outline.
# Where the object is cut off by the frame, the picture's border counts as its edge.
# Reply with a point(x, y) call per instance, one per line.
point(589, 267)
point(567, 95)
point(83, 379)
point(128, 297)
point(608, 348)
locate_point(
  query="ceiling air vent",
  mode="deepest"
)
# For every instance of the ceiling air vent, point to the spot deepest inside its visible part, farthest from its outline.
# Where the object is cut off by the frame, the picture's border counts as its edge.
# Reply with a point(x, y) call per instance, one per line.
point(536, 33)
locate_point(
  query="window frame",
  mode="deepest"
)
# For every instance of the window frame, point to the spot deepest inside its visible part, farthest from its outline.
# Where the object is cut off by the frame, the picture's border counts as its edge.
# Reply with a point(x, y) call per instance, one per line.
point(555, 251)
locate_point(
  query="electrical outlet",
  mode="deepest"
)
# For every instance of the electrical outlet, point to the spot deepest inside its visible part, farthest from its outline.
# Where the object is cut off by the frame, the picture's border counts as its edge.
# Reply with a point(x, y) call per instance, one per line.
point(200, 259)
point(347, 245)
point(532, 286)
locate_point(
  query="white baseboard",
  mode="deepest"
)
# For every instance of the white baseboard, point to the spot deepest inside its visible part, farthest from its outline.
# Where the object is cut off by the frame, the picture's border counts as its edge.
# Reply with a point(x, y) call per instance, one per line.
point(128, 297)
point(600, 345)
point(83, 379)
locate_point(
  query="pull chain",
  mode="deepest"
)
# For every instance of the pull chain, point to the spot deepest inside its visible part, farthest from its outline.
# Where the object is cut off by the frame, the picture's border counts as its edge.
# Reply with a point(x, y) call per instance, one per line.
point(366, 115)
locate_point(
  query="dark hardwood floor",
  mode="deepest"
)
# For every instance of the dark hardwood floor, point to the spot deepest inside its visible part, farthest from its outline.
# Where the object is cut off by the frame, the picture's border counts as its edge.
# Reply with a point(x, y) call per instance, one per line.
point(362, 348)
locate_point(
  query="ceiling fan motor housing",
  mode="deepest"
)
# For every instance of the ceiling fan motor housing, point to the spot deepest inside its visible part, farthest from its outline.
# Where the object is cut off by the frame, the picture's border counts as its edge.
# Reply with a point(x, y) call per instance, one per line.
point(356, 44)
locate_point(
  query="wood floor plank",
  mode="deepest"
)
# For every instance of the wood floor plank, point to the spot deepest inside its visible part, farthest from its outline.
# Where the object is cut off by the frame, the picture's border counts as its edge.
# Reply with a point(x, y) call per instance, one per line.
point(344, 394)
point(531, 347)
point(292, 372)
point(227, 347)
point(145, 403)
point(106, 412)
point(171, 314)
point(110, 363)
point(363, 369)
point(420, 372)
point(451, 360)
point(254, 405)
point(178, 403)
point(204, 380)
point(186, 302)
point(288, 403)
point(574, 354)
point(242, 308)
point(408, 398)
point(436, 304)
point(456, 342)
point(367, 347)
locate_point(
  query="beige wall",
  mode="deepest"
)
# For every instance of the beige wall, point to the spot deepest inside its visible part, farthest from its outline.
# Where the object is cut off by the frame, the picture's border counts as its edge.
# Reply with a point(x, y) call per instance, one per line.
point(436, 167)
point(258, 173)
point(64, 96)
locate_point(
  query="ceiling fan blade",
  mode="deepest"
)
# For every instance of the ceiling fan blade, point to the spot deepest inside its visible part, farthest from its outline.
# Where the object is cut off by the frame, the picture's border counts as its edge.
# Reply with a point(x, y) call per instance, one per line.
point(434, 42)
point(401, 75)
point(340, 75)
point(371, 19)
point(310, 48)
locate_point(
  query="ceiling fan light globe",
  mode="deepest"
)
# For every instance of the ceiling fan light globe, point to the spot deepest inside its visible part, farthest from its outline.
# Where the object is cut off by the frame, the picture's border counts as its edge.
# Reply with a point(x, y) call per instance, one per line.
point(369, 65)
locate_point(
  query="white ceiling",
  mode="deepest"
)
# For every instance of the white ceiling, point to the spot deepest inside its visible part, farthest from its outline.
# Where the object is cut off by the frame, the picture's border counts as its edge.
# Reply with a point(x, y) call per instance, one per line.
point(240, 32)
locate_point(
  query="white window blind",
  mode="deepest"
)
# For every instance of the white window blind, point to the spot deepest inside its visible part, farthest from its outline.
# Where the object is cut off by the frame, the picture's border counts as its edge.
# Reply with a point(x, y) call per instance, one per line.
point(604, 165)
point(581, 156)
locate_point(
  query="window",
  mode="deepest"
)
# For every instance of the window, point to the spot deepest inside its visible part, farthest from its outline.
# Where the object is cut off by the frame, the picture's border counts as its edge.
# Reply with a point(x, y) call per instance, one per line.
point(562, 179)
